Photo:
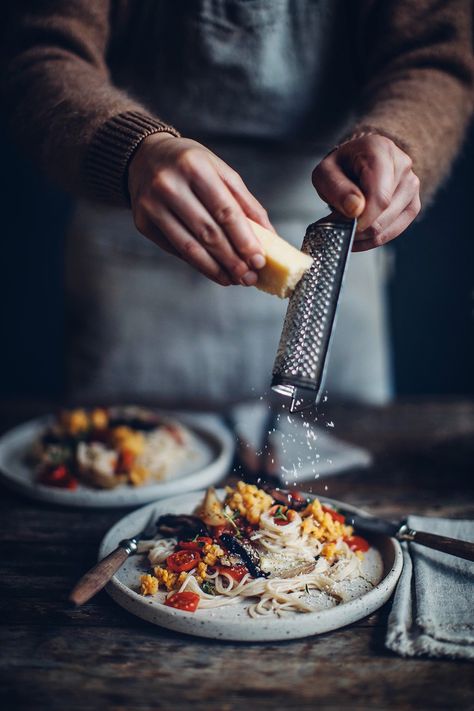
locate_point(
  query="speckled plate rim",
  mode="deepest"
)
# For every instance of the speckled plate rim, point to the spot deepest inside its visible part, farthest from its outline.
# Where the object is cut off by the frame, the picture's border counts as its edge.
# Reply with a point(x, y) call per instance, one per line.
point(205, 427)
point(264, 629)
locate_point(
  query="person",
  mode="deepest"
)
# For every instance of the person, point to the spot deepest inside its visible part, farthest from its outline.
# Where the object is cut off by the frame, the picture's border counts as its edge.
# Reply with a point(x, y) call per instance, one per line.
point(180, 119)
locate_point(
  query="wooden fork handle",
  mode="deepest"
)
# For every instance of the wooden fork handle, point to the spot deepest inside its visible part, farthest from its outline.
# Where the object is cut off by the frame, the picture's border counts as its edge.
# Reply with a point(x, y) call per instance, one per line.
point(98, 576)
point(453, 546)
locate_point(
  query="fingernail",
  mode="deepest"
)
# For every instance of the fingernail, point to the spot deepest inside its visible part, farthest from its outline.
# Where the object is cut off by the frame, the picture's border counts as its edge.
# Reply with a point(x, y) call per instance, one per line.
point(257, 261)
point(249, 279)
point(351, 204)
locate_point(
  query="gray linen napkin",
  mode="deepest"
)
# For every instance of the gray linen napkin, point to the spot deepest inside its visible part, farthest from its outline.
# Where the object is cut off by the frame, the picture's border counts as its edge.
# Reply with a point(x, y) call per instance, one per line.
point(306, 450)
point(433, 608)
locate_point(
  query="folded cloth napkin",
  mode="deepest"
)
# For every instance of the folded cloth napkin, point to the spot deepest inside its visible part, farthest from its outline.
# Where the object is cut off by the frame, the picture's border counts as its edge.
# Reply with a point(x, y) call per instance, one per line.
point(305, 450)
point(433, 608)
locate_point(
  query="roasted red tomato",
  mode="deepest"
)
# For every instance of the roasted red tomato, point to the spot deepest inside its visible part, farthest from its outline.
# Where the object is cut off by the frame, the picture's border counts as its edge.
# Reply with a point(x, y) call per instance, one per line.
point(196, 545)
point(187, 601)
point(280, 515)
point(182, 561)
point(125, 461)
point(235, 571)
point(334, 514)
point(60, 477)
point(357, 543)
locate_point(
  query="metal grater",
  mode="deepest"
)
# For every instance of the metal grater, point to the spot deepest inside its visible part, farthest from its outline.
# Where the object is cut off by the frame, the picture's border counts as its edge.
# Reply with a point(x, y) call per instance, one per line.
point(301, 358)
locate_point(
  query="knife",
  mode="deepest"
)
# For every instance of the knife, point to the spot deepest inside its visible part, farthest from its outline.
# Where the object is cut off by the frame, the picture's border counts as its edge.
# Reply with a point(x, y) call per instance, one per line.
point(98, 576)
point(402, 532)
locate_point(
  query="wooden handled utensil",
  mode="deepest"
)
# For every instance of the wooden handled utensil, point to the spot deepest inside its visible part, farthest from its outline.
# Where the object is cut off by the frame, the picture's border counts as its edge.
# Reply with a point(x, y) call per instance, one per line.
point(98, 576)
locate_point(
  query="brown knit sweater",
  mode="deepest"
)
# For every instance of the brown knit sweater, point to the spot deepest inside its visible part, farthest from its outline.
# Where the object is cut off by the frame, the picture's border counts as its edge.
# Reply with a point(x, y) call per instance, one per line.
point(414, 70)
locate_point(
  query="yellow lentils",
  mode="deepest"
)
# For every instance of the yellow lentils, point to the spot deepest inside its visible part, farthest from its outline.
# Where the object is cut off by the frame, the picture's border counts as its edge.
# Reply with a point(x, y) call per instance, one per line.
point(126, 439)
point(319, 524)
point(249, 501)
point(148, 585)
point(138, 475)
point(201, 572)
point(212, 552)
point(167, 579)
point(74, 421)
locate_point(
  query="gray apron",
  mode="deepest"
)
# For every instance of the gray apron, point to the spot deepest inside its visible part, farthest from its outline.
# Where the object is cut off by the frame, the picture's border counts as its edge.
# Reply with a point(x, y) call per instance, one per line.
point(144, 324)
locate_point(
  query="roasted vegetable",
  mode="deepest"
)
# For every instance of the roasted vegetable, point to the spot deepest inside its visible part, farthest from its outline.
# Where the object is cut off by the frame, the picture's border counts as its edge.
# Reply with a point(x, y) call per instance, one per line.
point(181, 526)
point(211, 510)
point(292, 499)
point(246, 552)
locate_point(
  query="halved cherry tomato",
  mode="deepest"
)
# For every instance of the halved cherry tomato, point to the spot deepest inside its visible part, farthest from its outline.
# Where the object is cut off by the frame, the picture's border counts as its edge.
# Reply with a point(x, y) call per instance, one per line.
point(187, 601)
point(182, 561)
point(334, 514)
point(357, 543)
point(60, 477)
point(279, 514)
point(195, 545)
point(125, 461)
point(235, 571)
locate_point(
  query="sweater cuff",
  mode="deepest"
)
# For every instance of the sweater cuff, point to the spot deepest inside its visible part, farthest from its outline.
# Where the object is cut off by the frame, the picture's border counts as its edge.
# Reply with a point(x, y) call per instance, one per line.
point(365, 129)
point(110, 153)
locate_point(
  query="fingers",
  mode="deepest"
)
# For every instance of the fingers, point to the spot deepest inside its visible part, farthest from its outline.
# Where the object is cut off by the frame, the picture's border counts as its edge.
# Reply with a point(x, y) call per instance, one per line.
point(392, 230)
point(335, 188)
point(376, 176)
point(228, 215)
point(248, 202)
point(183, 203)
point(183, 245)
point(185, 198)
point(375, 168)
point(402, 199)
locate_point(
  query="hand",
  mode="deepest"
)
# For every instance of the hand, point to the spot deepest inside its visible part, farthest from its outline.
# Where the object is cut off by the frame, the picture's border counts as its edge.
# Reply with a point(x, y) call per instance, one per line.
point(193, 205)
point(372, 179)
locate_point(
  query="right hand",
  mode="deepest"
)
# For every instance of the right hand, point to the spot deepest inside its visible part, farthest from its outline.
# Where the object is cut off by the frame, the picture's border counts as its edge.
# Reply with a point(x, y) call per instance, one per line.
point(193, 205)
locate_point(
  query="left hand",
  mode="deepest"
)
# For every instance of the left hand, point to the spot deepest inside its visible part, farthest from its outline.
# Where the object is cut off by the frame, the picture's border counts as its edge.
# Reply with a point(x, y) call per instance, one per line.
point(372, 179)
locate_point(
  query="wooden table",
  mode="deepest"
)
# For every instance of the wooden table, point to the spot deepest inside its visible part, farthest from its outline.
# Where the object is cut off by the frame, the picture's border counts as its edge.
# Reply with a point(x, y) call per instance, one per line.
point(101, 657)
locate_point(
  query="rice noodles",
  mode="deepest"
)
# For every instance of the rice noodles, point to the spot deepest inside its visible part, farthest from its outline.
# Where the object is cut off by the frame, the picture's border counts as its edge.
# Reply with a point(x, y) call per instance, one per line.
point(299, 561)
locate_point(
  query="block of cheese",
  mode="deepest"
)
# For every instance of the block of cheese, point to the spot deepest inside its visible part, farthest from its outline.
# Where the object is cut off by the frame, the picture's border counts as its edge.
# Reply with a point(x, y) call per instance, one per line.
point(285, 264)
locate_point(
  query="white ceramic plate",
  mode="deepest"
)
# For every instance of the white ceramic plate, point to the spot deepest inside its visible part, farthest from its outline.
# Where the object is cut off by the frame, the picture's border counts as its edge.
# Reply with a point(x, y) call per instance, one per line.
point(212, 443)
point(233, 622)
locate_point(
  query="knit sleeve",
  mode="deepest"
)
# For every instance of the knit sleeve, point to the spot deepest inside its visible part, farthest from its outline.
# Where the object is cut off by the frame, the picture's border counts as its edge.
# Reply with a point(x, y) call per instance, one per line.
point(60, 103)
point(417, 78)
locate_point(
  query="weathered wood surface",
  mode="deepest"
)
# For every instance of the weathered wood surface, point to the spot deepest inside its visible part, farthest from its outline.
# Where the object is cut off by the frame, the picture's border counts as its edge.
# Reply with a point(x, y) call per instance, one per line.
point(99, 656)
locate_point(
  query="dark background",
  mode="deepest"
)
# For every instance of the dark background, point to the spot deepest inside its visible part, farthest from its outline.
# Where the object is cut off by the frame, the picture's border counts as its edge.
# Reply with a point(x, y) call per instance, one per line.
point(432, 287)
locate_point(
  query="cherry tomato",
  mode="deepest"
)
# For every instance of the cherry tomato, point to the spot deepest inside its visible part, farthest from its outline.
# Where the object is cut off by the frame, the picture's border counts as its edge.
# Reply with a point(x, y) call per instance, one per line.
point(125, 461)
point(235, 571)
point(279, 514)
point(187, 601)
point(357, 543)
point(182, 561)
point(60, 477)
point(244, 526)
point(196, 545)
point(334, 514)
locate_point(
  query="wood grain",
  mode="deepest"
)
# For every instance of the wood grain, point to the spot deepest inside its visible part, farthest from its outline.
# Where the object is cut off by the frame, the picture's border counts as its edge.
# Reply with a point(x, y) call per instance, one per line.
point(57, 657)
point(97, 577)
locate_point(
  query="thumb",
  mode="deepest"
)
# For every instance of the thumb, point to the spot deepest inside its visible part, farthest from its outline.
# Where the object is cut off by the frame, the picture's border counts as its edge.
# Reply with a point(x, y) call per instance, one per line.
point(335, 188)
